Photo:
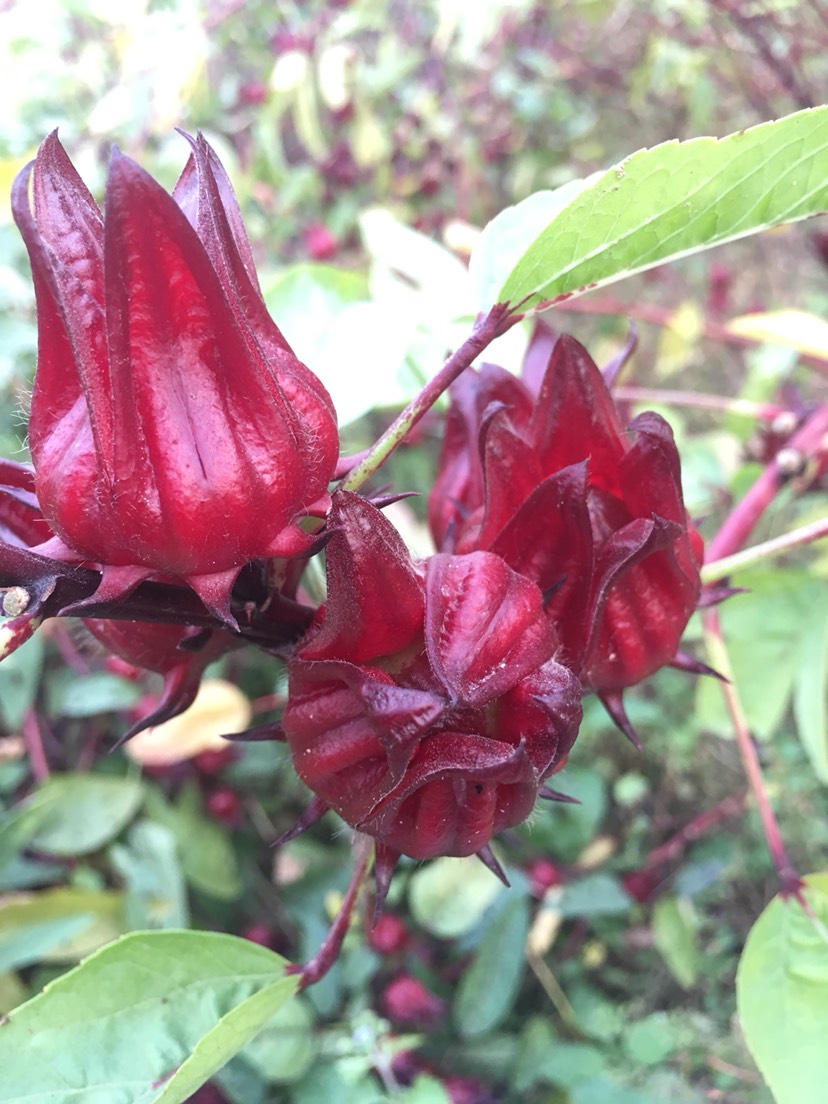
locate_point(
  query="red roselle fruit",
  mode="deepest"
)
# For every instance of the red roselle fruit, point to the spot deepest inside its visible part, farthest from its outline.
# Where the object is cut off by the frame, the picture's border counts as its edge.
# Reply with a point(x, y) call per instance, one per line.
point(154, 347)
point(541, 472)
point(177, 652)
point(426, 706)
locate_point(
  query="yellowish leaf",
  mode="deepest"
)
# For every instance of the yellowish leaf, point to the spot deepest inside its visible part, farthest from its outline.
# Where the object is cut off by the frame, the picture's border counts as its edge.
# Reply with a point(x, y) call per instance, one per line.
point(795, 329)
point(219, 708)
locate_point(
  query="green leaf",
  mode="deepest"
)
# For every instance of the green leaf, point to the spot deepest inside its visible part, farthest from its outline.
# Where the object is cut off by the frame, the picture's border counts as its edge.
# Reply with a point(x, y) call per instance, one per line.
point(605, 1090)
point(22, 873)
point(651, 1040)
point(79, 813)
point(656, 205)
point(570, 1063)
point(204, 847)
point(782, 995)
point(563, 830)
point(425, 1090)
point(24, 946)
point(19, 679)
point(99, 692)
point(148, 863)
point(449, 896)
point(145, 1020)
point(12, 992)
point(810, 697)
point(763, 630)
point(594, 894)
point(284, 1050)
point(18, 826)
point(489, 987)
point(674, 935)
point(58, 925)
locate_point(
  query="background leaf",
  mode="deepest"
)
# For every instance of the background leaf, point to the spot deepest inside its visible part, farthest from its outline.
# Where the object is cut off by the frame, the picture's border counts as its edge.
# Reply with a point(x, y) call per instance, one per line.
point(782, 995)
point(764, 633)
point(674, 935)
point(115, 1028)
point(449, 896)
point(656, 205)
point(148, 863)
point(810, 697)
point(481, 1005)
point(19, 676)
point(58, 925)
point(79, 813)
point(204, 849)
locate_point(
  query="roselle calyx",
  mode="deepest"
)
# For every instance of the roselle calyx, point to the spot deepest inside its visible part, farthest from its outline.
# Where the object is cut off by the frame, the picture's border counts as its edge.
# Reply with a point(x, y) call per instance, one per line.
point(426, 706)
point(541, 471)
point(174, 434)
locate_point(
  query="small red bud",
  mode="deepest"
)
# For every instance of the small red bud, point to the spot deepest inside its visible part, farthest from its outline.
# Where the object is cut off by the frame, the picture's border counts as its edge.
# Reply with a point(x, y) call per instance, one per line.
point(320, 243)
point(258, 933)
point(543, 874)
point(641, 884)
point(389, 935)
point(214, 760)
point(406, 1065)
point(466, 1090)
point(224, 805)
point(207, 1094)
point(253, 92)
point(407, 1002)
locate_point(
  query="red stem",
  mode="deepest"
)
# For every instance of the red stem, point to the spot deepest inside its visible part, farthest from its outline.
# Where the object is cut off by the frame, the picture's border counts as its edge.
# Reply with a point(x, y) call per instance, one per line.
point(33, 739)
point(675, 846)
point(498, 320)
point(326, 956)
point(790, 880)
point(810, 439)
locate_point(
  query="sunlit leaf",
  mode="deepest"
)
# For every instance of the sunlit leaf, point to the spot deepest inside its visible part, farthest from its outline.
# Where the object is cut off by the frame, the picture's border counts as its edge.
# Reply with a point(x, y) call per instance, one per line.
point(145, 1020)
point(656, 205)
point(782, 994)
point(58, 925)
point(449, 896)
point(219, 708)
point(797, 329)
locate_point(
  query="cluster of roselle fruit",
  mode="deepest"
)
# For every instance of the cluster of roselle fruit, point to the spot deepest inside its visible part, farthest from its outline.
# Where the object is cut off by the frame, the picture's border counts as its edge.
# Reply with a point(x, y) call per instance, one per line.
point(182, 465)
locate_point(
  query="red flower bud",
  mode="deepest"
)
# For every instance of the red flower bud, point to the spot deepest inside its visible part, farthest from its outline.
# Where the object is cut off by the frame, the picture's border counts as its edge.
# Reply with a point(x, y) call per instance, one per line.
point(543, 875)
point(179, 653)
point(173, 431)
point(224, 806)
point(542, 473)
point(406, 1001)
point(389, 935)
point(427, 707)
point(320, 242)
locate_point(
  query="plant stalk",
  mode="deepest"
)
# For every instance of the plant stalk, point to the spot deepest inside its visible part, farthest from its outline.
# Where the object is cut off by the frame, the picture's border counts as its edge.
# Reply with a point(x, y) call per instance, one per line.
point(719, 658)
point(777, 546)
point(489, 326)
